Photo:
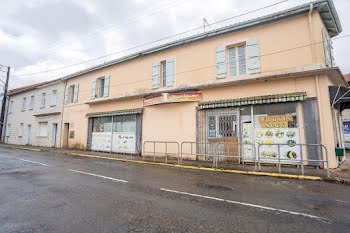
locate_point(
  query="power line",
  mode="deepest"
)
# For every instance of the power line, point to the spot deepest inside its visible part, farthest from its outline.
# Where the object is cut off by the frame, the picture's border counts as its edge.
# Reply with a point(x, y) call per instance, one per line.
point(149, 43)
point(212, 66)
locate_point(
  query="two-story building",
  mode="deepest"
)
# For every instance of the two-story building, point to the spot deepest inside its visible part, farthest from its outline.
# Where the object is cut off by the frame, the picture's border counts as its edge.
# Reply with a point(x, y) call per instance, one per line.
point(261, 81)
point(35, 114)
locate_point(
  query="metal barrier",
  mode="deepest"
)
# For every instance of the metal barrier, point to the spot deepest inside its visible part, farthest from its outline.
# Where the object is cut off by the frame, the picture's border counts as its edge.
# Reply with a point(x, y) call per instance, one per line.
point(215, 151)
point(296, 162)
point(166, 153)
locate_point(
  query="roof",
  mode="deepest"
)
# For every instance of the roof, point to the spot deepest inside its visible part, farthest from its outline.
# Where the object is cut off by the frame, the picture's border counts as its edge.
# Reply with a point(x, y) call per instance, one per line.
point(325, 7)
point(31, 87)
point(25, 87)
point(347, 77)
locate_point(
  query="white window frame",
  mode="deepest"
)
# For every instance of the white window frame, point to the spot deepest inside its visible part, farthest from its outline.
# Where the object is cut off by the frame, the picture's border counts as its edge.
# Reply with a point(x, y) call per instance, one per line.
point(31, 103)
point(237, 62)
point(24, 103)
point(20, 130)
point(43, 100)
point(11, 106)
point(53, 99)
point(42, 133)
point(8, 130)
point(162, 74)
point(99, 91)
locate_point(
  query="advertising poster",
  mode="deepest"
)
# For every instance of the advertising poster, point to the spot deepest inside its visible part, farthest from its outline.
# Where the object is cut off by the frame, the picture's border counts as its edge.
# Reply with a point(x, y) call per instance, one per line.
point(101, 141)
point(124, 142)
point(247, 138)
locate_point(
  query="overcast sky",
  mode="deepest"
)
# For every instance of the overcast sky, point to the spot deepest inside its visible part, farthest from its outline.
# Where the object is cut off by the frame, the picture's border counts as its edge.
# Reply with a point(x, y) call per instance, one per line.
point(40, 35)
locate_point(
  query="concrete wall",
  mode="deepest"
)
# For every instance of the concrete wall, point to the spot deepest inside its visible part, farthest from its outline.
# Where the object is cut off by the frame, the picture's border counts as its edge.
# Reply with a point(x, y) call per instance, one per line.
point(27, 116)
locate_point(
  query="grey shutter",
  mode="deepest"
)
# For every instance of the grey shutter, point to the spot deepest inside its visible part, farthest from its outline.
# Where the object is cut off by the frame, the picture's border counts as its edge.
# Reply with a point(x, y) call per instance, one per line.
point(155, 74)
point(253, 56)
point(66, 94)
point(75, 93)
point(106, 86)
point(326, 47)
point(221, 62)
point(170, 72)
point(93, 89)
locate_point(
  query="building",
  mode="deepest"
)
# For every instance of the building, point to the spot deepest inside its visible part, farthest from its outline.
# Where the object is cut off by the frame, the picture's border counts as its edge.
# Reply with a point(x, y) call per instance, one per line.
point(34, 114)
point(264, 80)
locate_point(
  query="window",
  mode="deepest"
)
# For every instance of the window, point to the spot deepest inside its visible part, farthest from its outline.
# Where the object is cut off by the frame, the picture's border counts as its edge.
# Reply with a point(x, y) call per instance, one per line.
point(71, 94)
point(8, 131)
point(163, 73)
point(222, 126)
point(20, 130)
point(237, 66)
point(124, 124)
point(24, 100)
point(102, 124)
point(31, 103)
point(42, 101)
point(100, 84)
point(42, 129)
point(53, 98)
point(10, 106)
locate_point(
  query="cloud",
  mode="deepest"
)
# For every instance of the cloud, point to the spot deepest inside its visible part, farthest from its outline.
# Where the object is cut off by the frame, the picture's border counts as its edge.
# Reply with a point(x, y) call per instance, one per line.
point(38, 35)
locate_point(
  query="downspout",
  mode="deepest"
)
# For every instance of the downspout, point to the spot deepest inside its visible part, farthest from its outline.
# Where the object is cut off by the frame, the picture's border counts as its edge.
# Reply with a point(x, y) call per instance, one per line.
point(4, 127)
point(61, 130)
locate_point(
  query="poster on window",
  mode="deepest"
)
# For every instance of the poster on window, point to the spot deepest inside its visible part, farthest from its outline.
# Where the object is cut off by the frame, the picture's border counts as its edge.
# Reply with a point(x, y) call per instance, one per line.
point(288, 153)
point(124, 142)
point(247, 138)
point(101, 141)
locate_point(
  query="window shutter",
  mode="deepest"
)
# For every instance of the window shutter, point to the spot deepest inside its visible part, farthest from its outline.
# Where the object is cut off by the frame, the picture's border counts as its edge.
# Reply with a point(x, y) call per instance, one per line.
point(170, 72)
point(93, 89)
point(326, 47)
point(155, 74)
point(106, 87)
point(66, 95)
point(75, 93)
point(253, 56)
point(221, 62)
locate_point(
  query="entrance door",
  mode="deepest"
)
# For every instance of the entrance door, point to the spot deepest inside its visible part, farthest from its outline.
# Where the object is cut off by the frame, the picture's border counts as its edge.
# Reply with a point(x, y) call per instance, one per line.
point(65, 135)
point(54, 135)
point(28, 134)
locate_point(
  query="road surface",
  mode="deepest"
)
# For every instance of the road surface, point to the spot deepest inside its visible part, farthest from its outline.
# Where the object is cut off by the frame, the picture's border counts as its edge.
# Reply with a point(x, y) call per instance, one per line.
point(49, 192)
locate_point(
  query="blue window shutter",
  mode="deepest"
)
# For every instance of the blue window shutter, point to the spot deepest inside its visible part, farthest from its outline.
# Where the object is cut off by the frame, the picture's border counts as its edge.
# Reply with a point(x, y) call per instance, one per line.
point(106, 87)
point(93, 89)
point(221, 62)
point(155, 74)
point(170, 72)
point(326, 47)
point(75, 93)
point(253, 56)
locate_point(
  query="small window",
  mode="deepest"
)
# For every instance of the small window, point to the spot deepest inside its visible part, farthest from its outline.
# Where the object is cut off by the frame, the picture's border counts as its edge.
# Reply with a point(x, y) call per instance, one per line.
point(53, 98)
point(222, 126)
point(100, 84)
point(10, 106)
point(31, 103)
point(163, 73)
point(24, 100)
point(237, 60)
point(20, 130)
point(8, 131)
point(42, 129)
point(42, 101)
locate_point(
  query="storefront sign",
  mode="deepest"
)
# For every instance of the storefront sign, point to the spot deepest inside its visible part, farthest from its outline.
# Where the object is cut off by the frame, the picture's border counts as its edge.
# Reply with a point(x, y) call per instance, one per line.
point(172, 98)
point(124, 142)
point(276, 121)
point(101, 141)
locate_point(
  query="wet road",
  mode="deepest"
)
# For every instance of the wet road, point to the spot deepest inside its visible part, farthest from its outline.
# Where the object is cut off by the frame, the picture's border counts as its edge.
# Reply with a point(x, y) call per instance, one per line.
point(48, 192)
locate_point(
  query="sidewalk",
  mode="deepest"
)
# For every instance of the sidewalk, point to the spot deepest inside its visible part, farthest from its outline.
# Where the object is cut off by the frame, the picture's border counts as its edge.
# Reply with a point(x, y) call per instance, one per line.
point(339, 175)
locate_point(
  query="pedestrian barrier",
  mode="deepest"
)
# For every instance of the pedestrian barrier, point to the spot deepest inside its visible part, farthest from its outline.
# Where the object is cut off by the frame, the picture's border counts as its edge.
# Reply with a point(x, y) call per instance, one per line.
point(292, 158)
point(165, 152)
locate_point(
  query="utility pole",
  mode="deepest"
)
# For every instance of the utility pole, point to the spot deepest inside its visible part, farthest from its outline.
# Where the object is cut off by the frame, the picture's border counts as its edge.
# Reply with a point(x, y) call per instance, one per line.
point(4, 101)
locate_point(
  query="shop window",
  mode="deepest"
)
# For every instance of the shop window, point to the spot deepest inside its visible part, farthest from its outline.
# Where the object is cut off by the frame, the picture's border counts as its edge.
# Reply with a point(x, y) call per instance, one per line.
point(102, 124)
point(124, 124)
point(220, 126)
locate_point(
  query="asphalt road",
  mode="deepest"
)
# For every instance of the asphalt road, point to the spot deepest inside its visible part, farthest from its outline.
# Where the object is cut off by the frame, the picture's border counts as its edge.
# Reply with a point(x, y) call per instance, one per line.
point(48, 192)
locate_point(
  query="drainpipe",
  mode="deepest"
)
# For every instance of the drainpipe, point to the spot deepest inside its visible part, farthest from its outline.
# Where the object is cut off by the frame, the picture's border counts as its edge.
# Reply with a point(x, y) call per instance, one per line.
point(61, 130)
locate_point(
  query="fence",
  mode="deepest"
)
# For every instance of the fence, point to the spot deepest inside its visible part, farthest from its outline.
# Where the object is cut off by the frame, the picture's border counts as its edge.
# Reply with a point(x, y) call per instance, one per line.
point(236, 153)
point(164, 145)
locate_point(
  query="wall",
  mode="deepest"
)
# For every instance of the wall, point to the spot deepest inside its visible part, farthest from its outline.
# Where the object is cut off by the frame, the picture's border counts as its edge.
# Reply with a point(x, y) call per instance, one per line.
point(27, 117)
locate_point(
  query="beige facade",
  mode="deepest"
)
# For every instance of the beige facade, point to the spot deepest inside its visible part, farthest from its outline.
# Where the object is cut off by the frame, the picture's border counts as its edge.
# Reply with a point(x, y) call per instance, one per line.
point(292, 60)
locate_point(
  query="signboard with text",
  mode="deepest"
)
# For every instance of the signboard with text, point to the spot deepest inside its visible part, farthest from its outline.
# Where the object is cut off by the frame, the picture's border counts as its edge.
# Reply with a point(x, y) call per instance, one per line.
point(172, 98)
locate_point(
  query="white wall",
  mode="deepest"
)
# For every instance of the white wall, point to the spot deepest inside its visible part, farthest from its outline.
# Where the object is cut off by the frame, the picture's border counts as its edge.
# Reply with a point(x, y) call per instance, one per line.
point(27, 117)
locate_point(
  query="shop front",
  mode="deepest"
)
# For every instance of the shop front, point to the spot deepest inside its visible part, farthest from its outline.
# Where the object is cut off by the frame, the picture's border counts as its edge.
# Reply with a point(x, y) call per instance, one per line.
point(262, 122)
point(118, 132)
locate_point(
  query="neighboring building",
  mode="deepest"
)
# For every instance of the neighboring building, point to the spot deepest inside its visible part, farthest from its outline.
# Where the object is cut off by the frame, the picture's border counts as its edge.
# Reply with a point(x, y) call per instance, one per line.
point(264, 80)
point(34, 114)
